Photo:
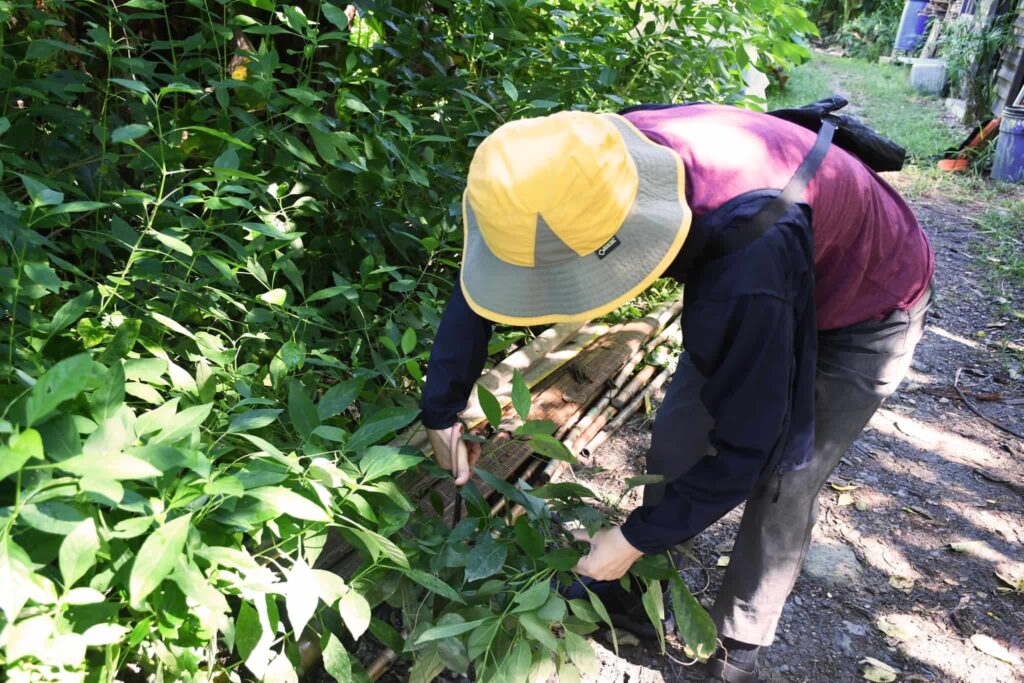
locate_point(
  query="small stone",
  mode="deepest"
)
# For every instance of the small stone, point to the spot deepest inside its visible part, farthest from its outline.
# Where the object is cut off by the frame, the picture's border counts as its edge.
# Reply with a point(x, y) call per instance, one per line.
point(844, 644)
point(784, 668)
point(797, 600)
point(832, 564)
point(854, 629)
point(943, 400)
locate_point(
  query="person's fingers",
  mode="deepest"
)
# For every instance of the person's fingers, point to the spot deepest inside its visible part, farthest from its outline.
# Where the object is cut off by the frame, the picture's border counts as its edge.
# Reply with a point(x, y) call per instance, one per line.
point(440, 445)
point(463, 472)
point(474, 452)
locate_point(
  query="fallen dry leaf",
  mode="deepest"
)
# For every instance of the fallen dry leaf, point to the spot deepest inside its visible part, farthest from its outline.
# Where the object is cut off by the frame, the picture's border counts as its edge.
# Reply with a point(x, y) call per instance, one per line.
point(878, 671)
point(967, 547)
point(723, 561)
point(901, 583)
point(843, 487)
point(992, 647)
point(894, 629)
point(845, 499)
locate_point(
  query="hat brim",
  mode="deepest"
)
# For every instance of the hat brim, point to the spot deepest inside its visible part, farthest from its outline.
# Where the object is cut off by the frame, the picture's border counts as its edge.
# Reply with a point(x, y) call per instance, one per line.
point(587, 287)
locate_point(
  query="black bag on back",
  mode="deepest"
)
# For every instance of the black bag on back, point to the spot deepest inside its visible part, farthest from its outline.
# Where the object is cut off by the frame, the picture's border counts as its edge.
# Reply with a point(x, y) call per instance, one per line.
point(879, 153)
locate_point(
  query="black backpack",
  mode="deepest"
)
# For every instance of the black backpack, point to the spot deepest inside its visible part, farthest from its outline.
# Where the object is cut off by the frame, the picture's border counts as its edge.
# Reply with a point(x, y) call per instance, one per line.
point(878, 152)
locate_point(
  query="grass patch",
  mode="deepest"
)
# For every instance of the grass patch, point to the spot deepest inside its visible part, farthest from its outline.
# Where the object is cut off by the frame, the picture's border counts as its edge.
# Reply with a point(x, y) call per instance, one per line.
point(881, 96)
point(1003, 252)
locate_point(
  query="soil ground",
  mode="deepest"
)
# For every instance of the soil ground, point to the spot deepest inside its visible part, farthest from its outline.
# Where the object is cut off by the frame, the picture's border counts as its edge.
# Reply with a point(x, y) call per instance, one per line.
point(882, 579)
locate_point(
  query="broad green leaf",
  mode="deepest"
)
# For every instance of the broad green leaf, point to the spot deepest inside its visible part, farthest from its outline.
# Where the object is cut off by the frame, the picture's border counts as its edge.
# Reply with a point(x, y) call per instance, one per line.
point(693, 623)
point(156, 419)
point(78, 552)
point(510, 89)
point(286, 501)
point(528, 537)
point(122, 343)
point(62, 382)
point(136, 86)
point(171, 324)
point(221, 135)
point(355, 612)
point(549, 446)
point(553, 610)
point(335, 15)
point(301, 410)
point(517, 664)
point(582, 654)
point(563, 489)
point(247, 630)
point(533, 597)
point(129, 132)
point(338, 398)
point(337, 663)
point(109, 466)
point(644, 480)
point(69, 312)
point(329, 586)
point(562, 559)
point(156, 558)
point(485, 559)
point(602, 612)
point(408, 340)
point(109, 396)
point(427, 666)
point(172, 242)
point(382, 461)
point(83, 596)
point(546, 427)
point(300, 595)
point(434, 585)
point(449, 630)
point(538, 630)
point(520, 395)
point(183, 424)
point(253, 419)
point(490, 406)
point(280, 670)
point(380, 425)
point(654, 604)
point(105, 634)
point(40, 194)
point(275, 297)
point(480, 639)
point(22, 446)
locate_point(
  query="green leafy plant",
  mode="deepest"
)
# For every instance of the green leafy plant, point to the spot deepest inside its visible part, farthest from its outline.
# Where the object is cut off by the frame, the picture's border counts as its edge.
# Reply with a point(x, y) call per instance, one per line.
point(229, 228)
point(494, 598)
point(971, 47)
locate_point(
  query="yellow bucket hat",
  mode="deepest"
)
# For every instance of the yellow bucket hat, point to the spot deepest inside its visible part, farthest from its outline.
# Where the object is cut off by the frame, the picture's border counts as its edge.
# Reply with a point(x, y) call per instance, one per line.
point(567, 217)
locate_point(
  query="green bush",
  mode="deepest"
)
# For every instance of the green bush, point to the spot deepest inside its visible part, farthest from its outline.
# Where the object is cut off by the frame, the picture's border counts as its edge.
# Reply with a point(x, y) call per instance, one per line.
point(229, 227)
point(869, 36)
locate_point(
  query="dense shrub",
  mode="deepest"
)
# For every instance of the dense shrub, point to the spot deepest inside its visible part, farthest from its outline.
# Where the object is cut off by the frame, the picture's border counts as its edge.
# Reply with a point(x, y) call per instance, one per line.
point(228, 230)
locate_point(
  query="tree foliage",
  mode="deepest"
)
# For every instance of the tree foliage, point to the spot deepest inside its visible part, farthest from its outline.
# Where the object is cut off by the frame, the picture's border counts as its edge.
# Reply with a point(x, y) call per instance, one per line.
point(228, 230)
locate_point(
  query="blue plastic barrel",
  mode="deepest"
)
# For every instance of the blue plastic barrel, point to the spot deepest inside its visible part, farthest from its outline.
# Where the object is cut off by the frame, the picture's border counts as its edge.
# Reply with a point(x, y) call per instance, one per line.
point(1009, 161)
point(913, 23)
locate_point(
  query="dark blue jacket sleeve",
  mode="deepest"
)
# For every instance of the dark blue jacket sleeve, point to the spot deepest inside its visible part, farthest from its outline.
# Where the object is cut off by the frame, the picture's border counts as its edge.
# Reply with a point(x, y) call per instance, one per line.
point(744, 348)
point(456, 361)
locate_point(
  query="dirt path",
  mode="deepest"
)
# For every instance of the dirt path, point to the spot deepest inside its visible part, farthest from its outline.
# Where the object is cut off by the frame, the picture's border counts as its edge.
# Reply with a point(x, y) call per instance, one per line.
point(882, 579)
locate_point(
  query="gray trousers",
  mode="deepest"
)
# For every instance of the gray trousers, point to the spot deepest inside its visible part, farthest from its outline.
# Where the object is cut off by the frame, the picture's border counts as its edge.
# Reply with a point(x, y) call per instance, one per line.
point(858, 367)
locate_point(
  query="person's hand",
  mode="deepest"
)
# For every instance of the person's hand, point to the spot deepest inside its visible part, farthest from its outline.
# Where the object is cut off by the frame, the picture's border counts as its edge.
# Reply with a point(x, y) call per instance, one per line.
point(452, 453)
point(610, 556)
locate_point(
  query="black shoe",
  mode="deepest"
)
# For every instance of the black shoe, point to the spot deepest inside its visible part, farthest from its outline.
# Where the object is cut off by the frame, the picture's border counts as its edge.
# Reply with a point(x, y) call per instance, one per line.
point(720, 671)
point(734, 662)
point(625, 607)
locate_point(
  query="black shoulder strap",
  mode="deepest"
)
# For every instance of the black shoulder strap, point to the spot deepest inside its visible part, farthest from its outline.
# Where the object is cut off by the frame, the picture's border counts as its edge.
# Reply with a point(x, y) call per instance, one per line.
point(779, 205)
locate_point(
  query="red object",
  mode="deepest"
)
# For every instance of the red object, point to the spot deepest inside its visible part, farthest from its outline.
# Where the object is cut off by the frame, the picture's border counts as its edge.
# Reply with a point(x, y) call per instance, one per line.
point(870, 254)
point(961, 161)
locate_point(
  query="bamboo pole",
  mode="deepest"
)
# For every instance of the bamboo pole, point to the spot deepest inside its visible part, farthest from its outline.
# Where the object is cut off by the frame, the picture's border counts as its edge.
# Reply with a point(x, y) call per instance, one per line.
point(624, 415)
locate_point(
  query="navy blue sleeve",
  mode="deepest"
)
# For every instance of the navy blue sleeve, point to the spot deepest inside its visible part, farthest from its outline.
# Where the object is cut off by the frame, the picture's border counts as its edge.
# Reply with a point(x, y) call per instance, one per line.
point(744, 348)
point(456, 361)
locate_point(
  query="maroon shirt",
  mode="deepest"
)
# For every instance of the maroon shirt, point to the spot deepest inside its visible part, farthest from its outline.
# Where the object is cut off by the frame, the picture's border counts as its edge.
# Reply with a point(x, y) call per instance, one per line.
point(871, 256)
